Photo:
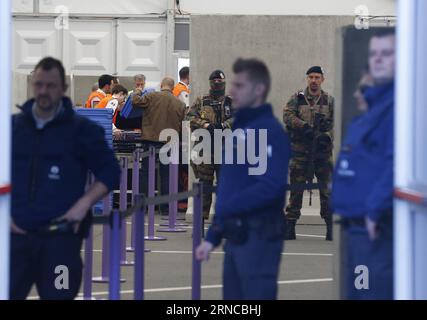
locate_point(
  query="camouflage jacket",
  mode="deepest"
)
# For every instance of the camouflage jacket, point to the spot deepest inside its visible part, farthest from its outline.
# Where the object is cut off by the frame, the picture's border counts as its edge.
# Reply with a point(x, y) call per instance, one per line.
point(208, 110)
point(301, 109)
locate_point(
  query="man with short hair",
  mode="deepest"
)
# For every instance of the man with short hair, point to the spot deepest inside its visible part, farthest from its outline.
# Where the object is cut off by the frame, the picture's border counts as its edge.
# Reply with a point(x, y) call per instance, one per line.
point(362, 192)
point(309, 119)
point(181, 90)
point(249, 208)
point(139, 82)
point(105, 83)
point(103, 103)
point(53, 150)
point(118, 97)
point(161, 111)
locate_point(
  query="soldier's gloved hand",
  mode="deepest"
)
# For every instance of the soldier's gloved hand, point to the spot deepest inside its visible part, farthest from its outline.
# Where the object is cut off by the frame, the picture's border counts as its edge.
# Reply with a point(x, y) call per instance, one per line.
point(308, 132)
point(325, 125)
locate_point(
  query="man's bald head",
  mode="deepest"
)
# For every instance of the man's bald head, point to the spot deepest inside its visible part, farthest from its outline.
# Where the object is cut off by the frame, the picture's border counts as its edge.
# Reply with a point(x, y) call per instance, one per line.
point(167, 83)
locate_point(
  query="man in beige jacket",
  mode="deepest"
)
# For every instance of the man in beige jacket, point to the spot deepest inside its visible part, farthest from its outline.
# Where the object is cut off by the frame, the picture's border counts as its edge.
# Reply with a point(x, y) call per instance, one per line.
point(162, 110)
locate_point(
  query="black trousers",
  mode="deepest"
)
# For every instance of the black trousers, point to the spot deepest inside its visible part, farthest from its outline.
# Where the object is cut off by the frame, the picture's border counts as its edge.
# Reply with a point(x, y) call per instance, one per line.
point(52, 262)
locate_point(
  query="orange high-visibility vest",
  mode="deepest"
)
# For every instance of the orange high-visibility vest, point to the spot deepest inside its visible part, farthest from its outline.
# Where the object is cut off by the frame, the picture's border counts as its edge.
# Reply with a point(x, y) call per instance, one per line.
point(96, 94)
point(103, 103)
point(179, 88)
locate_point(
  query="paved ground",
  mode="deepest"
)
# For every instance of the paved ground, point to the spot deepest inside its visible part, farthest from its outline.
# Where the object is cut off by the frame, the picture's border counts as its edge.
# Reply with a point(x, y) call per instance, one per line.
point(306, 269)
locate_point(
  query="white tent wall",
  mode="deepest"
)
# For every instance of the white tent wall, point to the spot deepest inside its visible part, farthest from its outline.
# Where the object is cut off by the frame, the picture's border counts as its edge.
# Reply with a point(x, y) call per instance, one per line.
point(90, 47)
point(98, 7)
point(22, 6)
point(266, 7)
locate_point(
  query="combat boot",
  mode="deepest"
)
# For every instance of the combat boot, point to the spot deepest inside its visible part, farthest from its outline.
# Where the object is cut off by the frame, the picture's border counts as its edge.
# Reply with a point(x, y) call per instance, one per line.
point(328, 229)
point(290, 230)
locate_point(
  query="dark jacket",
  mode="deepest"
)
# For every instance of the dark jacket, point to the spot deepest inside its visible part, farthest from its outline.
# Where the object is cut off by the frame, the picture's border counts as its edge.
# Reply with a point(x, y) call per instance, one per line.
point(363, 177)
point(50, 165)
point(162, 110)
point(240, 194)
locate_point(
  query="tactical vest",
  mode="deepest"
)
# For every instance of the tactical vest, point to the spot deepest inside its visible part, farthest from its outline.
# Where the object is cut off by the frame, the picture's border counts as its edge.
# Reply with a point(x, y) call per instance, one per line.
point(216, 111)
point(306, 111)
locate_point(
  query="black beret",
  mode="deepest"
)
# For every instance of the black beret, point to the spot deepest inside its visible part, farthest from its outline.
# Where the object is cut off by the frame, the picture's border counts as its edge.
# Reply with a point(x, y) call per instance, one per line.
point(217, 74)
point(315, 69)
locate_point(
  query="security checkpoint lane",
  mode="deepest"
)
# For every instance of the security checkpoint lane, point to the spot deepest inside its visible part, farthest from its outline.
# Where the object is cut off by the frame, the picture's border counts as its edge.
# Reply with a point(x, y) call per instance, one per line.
point(305, 272)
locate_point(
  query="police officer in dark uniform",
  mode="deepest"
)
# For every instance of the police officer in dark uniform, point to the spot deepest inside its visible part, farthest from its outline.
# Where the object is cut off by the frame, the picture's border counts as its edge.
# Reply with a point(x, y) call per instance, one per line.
point(248, 211)
point(362, 192)
point(53, 150)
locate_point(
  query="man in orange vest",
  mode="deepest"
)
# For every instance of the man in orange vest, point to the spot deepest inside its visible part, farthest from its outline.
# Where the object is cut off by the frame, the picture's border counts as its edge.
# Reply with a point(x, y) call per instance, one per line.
point(181, 90)
point(105, 83)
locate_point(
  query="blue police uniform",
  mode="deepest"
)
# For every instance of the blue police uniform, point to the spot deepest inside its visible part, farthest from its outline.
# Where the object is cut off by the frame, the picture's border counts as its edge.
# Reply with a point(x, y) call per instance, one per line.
point(49, 174)
point(249, 210)
point(363, 187)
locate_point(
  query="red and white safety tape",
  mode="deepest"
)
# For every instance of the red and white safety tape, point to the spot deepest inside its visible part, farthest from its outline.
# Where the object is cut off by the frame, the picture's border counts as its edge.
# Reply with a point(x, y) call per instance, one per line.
point(410, 196)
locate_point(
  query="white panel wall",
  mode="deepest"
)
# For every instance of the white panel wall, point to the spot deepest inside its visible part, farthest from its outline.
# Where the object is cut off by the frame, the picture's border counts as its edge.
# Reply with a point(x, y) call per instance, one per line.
point(141, 48)
point(105, 6)
point(89, 47)
point(266, 7)
point(22, 6)
point(32, 40)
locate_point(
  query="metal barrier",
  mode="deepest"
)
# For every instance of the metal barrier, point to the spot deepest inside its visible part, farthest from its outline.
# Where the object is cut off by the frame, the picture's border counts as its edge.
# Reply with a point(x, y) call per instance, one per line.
point(114, 228)
point(114, 221)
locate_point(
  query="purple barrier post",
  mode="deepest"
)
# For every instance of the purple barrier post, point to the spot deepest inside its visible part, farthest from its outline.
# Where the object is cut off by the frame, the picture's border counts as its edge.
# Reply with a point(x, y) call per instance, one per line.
point(88, 266)
point(197, 238)
point(173, 189)
point(135, 191)
point(139, 252)
point(123, 207)
point(114, 289)
point(105, 272)
point(151, 188)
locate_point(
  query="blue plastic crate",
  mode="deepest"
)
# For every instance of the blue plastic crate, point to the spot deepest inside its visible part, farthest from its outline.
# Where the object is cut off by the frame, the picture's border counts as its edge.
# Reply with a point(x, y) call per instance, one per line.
point(104, 118)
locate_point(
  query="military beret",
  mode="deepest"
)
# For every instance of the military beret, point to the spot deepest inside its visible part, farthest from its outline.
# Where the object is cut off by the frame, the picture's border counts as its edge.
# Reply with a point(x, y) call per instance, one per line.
point(217, 74)
point(315, 69)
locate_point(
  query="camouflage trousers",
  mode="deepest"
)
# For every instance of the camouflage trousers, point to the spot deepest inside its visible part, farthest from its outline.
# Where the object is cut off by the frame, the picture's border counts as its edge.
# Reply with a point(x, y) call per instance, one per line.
point(205, 173)
point(323, 172)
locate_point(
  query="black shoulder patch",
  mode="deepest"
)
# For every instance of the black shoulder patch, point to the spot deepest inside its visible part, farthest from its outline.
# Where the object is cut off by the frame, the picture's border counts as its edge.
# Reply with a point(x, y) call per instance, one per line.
point(301, 99)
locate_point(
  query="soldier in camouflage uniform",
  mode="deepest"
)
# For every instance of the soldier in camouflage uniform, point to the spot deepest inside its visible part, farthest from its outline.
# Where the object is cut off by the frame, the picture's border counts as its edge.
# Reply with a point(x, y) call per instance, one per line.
point(212, 111)
point(308, 116)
